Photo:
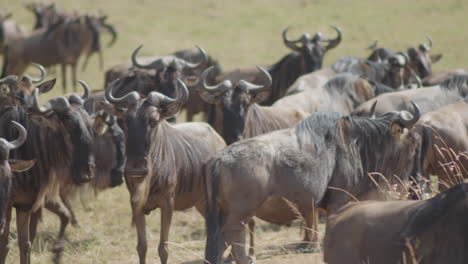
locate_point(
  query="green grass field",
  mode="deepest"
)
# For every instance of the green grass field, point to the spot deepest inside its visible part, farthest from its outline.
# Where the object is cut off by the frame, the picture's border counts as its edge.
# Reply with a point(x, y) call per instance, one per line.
point(238, 33)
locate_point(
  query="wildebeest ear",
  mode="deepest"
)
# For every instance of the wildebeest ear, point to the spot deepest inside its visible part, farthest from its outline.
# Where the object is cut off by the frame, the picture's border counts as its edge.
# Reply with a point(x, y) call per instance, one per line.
point(47, 86)
point(111, 109)
point(170, 110)
point(396, 129)
point(436, 58)
point(20, 165)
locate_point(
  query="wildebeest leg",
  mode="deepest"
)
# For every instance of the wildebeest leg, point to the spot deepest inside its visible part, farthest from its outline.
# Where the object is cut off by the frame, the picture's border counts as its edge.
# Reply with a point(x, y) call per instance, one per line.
point(252, 238)
point(142, 246)
point(64, 78)
point(62, 212)
point(69, 207)
point(234, 234)
point(24, 244)
point(189, 114)
point(73, 68)
point(33, 222)
point(4, 237)
point(166, 217)
point(311, 229)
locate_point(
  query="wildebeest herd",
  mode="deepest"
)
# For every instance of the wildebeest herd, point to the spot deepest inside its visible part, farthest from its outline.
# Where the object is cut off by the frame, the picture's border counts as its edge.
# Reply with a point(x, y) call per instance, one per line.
point(276, 142)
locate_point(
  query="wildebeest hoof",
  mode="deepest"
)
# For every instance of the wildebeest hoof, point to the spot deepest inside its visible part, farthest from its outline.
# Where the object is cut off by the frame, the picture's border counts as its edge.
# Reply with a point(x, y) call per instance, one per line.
point(116, 177)
point(58, 247)
point(75, 223)
point(229, 259)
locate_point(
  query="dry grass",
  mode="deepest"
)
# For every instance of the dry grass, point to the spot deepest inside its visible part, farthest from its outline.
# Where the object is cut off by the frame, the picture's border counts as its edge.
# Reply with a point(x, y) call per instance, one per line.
point(238, 33)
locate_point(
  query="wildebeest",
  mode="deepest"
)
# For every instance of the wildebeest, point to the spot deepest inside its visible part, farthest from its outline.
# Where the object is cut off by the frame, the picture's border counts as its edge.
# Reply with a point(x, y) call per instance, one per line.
point(8, 29)
point(307, 56)
point(62, 43)
point(164, 161)
point(238, 114)
point(318, 163)
point(7, 166)
point(430, 231)
point(147, 80)
point(342, 93)
point(63, 127)
point(438, 77)
point(446, 143)
point(431, 98)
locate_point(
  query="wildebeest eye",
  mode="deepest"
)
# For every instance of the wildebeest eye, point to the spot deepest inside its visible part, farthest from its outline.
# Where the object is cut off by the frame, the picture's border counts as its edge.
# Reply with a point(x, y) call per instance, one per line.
point(4, 89)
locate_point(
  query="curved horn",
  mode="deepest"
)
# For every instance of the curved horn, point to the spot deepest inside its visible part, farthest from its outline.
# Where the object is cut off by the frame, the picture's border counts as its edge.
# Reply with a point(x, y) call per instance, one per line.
point(216, 89)
point(21, 138)
point(156, 98)
point(135, 62)
point(372, 110)
point(41, 78)
point(257, 88)
point(202, 63)
point(416, 115)
point(290, 43)
point(374, 45)
point(430, 42)
point(332, 43)
point(113, 32)
point(86, 90)
point(184, 96)
point(35, 105)
point(131, 97)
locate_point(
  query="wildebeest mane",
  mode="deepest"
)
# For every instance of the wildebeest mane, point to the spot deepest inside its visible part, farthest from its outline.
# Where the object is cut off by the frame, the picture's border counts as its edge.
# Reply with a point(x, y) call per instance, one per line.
point(317, 128)
point(458, 82)
point(175, 158)
point(363, 68)
point(48, 148)
point(261, 120)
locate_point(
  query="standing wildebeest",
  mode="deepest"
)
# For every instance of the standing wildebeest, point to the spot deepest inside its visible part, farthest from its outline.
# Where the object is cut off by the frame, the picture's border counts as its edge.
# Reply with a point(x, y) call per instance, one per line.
point(60, 140)
point(8, 30)
point(238, 115)
point(164, 161)
point(7, 166)
point(307, 56)
point(47, 15)
point(419, 60)
point(301, 164)
point(62, 43)
point(450, 91)
point(446, 146)
point(431, 231)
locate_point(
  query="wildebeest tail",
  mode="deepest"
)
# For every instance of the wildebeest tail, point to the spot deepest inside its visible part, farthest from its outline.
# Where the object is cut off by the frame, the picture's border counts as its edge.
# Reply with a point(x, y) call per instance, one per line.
point(214, 218)
point(433, 210)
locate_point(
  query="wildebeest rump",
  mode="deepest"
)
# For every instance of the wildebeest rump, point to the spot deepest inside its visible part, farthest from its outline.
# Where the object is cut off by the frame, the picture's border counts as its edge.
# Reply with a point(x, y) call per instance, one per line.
point(164, 161)
point(8, 30)
point(301, 164)
point(430, 231)
point(431, 98)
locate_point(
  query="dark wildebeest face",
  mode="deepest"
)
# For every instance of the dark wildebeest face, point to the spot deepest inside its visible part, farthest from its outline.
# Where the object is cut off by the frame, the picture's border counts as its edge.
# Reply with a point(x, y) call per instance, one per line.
point(170, 68)
point(6, 168)
point(312, 49)
point(234, 101)
point(67, 117)
point(16, 91)
point(140, 119)
point(420, 61)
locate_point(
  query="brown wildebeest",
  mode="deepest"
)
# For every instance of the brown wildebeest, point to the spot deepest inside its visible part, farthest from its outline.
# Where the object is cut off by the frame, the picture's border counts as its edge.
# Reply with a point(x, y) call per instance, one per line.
point(238, 115)
point(62, 127)
point(304, 164)
point(164, 161)
point(7, 166)
point(62, 43)
point(431, 98)
point(431, 231)
point(446, 143)
point(8, 30)
point(307, 56)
